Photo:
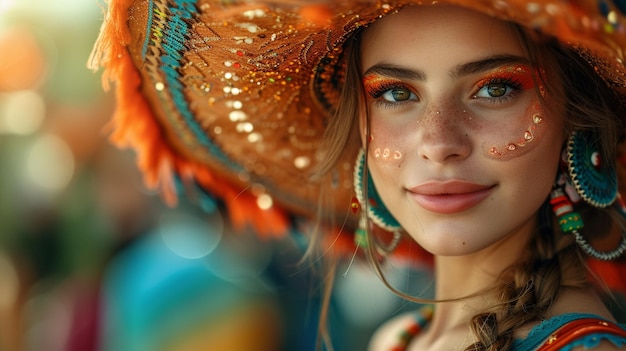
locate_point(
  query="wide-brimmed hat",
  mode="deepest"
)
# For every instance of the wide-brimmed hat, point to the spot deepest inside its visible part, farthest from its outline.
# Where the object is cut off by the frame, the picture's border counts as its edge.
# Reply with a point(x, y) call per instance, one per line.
point(232, 98)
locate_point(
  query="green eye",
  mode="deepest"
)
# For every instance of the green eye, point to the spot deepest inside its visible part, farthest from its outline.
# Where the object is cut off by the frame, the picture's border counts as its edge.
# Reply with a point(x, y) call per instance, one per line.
point(398, 94)
point(496, 90)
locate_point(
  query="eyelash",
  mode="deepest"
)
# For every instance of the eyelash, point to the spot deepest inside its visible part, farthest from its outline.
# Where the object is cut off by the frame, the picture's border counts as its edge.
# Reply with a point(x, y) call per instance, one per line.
point(378, 89)
point(510, 82)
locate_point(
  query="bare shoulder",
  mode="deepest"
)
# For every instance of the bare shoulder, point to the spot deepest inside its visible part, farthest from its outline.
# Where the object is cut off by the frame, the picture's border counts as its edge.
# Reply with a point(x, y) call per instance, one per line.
point(580, 301)
point(387, 335)
point(573, 301)
point(586, 301)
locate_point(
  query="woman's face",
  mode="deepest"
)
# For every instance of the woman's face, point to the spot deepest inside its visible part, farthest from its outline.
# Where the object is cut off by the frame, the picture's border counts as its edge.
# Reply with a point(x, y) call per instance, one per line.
point(461, 151)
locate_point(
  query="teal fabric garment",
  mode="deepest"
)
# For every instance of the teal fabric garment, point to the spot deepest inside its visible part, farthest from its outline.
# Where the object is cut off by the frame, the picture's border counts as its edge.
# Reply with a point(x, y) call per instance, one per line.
point(542, 332)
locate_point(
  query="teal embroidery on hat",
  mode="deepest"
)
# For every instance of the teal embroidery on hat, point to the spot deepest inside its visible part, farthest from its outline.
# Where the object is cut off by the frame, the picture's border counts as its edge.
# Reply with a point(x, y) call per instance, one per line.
point(168, 32)
point(147, 40)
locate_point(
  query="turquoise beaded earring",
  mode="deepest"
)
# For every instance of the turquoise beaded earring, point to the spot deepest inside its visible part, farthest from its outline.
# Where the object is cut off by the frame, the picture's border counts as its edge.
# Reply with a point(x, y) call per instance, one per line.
point(374, 208)
point(594, 184)
point(597, 185)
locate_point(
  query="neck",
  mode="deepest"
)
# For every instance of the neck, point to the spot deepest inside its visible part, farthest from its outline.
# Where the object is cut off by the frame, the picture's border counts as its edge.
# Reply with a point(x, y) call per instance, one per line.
point(471, 278)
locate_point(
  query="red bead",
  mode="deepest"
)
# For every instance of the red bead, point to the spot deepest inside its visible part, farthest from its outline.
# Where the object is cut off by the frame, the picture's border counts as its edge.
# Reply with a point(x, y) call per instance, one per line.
point(354, 205)
point(559, 199)
point(414, 329)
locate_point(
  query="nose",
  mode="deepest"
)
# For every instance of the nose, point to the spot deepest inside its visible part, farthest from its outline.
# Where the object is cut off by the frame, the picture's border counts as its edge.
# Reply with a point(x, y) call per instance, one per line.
point(443, 135)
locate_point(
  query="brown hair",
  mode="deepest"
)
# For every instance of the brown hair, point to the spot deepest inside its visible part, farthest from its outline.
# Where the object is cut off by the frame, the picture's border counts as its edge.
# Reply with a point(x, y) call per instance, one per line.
point(527, 289)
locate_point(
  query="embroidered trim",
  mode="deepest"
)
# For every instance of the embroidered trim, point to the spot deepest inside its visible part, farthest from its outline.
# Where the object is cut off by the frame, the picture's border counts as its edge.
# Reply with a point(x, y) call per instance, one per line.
point(587, 331)
point(163, 61)
point(148, 39)
point(562, 333)
point(420, 320)
point(593, 341)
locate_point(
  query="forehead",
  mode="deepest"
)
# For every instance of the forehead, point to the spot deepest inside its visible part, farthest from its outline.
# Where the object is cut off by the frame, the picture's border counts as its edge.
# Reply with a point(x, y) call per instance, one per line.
point(437, 35)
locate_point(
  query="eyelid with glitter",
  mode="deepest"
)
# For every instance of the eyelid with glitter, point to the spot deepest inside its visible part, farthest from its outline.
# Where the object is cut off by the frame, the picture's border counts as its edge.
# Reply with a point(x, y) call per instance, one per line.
point(377, 86)
point(517, 77)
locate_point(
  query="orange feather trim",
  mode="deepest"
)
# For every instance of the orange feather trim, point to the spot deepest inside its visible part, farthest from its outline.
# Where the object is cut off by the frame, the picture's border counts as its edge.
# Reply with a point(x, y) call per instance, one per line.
point(134, 126)
point(112, 41)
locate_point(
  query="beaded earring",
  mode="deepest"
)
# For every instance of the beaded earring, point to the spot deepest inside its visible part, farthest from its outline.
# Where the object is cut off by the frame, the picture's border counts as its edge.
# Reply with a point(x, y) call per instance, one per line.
point(374, 208)
point(585, 180)
point(596, 184)
point(571, 221)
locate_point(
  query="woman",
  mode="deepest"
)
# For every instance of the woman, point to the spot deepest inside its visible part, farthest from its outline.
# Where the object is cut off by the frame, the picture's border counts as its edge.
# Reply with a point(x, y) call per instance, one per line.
point(474, 130)
point(482, 123)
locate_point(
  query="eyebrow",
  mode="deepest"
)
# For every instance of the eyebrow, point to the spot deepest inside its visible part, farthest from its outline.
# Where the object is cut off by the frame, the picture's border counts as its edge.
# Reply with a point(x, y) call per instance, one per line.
point(394, 71)
point(487, 64)
point(482, 65)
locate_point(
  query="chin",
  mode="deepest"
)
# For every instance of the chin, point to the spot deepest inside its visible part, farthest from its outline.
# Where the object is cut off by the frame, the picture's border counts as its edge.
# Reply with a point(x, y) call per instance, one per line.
point(451, 241)
point(452, 250)
point(448, 243)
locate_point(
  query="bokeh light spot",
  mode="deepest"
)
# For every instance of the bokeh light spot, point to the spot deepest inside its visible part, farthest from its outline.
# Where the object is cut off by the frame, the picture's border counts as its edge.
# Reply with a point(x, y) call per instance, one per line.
point(191, 237)
point(50, 163)
point(21, 112)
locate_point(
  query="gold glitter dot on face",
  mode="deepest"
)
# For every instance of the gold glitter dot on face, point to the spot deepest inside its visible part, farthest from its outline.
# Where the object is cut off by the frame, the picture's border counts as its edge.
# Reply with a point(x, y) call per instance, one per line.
point(528, 136)
point(537, 118)
point(386, 153)
point(159, 86)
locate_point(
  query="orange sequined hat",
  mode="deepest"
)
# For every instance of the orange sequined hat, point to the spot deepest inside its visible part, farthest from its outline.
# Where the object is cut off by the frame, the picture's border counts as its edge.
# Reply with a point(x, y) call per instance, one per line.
point(233, 97)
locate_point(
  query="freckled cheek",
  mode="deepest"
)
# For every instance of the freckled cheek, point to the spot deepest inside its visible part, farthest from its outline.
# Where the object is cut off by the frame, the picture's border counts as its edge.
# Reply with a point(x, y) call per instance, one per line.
point(388, 144)
point(502, 135)
point(514, 135)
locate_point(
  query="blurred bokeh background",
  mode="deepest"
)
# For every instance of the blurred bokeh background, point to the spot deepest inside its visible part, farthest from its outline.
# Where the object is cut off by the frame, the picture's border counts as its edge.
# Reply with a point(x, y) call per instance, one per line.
point(91, 260)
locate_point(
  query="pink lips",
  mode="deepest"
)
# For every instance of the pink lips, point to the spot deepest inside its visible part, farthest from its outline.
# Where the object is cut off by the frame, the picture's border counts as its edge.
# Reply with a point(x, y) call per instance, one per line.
point(449, 197)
